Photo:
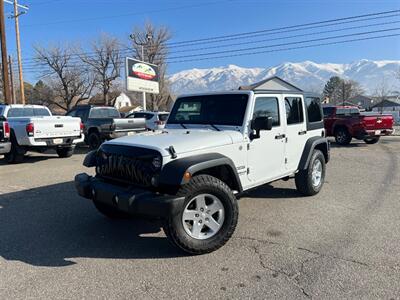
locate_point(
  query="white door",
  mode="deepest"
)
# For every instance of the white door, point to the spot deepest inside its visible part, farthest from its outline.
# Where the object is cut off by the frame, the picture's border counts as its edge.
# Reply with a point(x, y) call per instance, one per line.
point(266, 153)
point(296, 130)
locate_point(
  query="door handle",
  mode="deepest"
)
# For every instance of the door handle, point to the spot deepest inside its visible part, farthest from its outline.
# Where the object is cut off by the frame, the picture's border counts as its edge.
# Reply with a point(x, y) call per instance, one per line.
point(280, 136)
point(302, 132)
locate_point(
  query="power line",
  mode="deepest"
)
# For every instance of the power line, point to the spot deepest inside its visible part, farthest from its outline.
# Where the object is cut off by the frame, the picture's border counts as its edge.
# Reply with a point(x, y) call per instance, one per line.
point(122, 15)
point(284, 44)
point(126, 50)
point(287, 49)
point(212, 55)
point(288, 27)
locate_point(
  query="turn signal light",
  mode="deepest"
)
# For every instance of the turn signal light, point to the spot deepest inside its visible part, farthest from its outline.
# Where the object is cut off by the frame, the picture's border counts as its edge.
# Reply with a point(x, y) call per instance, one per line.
point(187, 176)
point(30, 129)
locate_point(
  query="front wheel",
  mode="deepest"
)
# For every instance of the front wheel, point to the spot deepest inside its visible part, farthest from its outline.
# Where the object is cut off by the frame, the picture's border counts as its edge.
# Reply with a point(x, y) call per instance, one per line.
point(310, 181)
point(94, 141)
point(372, 140)
point(65, 152)
point(208, 217)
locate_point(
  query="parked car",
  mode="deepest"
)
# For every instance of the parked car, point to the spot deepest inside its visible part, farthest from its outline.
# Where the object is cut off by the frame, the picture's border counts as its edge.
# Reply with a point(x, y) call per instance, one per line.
point(5, 145)
point(103, 123)
point(346, 123)
point(213, 148)
point(33, 128)
point(154, 120)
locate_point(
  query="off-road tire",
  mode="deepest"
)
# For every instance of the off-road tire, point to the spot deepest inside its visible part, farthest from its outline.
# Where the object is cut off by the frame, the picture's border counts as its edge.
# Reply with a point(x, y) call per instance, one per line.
point(16, 154)
point(372, 140)
point(110, 212)
point(342, 136)
point(303, 178)
point(94, 141)
point(65, 152)
point(173, 226)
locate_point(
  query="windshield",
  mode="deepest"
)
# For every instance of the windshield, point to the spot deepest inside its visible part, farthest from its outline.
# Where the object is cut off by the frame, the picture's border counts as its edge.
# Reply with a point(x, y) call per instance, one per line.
point(222, 109)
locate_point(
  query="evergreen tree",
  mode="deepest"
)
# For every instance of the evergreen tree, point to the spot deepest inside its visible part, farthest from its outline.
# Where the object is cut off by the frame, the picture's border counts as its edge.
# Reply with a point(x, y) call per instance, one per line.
point(331, 87)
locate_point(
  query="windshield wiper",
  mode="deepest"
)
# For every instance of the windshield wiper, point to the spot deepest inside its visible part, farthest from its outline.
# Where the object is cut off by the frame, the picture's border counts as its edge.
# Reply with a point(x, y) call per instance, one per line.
point(182, 125)
point(215, 127)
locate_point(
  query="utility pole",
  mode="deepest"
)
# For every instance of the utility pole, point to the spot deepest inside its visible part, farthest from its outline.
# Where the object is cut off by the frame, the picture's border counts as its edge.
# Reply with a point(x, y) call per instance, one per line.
point(10, 66)
point(21, 77)
point(149, 37)
point(6, 81)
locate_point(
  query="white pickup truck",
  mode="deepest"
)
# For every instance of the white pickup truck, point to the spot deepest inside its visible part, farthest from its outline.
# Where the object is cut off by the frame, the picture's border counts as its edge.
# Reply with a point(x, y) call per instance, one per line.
point(33, 128)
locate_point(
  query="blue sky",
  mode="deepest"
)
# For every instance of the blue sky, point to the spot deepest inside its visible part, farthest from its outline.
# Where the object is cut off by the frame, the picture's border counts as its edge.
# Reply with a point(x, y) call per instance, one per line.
point(54, 21)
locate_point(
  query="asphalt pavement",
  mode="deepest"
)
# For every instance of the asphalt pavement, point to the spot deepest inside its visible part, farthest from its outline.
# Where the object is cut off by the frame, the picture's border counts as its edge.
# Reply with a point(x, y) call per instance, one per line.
point(342, 243)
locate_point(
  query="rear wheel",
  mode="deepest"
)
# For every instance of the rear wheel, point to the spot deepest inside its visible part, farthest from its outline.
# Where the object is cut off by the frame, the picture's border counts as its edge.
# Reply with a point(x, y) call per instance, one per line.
point(94, 141)
point(110, 212)
point(208, 217)
point(310, 181)
point(17, 153)
point(372, 140)
point(65, 152)
point(342, 136)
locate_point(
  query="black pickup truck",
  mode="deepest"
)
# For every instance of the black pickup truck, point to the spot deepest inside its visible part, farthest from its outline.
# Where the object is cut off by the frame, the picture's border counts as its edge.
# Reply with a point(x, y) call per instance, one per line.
point(103, 123)
point(5, 145)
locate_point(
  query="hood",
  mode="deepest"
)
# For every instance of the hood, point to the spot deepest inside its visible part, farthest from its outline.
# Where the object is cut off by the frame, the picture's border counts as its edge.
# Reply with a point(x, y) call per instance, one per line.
point(182, 140)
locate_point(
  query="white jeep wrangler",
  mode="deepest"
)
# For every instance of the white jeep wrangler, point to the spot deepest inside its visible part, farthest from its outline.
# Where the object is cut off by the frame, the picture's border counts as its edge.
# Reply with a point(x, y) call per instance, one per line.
point(214, 147)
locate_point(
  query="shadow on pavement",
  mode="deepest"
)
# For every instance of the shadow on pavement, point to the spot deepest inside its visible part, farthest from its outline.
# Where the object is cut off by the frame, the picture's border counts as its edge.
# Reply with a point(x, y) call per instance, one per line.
point(51, 225)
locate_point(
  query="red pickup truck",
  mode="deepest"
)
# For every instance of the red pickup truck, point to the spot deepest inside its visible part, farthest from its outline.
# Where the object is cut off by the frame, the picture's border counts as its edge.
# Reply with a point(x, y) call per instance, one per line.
point(346, 122)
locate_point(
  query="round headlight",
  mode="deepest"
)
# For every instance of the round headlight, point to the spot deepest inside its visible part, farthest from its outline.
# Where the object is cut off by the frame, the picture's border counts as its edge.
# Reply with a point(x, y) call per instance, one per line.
point(157, 162)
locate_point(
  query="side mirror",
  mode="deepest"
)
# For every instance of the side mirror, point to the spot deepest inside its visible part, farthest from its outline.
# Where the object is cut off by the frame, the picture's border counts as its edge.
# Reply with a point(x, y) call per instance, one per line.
point(260, 123)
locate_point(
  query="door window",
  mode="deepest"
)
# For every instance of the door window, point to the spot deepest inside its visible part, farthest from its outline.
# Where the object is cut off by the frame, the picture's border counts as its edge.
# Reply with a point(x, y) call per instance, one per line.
point(267, 107)
point(294, 110)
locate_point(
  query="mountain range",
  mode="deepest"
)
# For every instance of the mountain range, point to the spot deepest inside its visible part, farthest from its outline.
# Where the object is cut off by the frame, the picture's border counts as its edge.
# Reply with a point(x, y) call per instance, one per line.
point(307, 75)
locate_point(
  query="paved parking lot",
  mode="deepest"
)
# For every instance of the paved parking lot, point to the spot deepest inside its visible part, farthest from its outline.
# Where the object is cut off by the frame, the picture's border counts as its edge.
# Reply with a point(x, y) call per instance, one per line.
point(343, 243)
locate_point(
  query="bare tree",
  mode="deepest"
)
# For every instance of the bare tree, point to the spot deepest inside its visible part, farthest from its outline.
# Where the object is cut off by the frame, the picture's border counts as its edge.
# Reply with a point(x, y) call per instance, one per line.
point(381, 92)
point(71, 83)
point(106, 63)
point(155, 50)
point(346, 89)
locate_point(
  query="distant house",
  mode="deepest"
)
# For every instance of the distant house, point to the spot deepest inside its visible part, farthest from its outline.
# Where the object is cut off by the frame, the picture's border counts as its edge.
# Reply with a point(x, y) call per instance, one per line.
point(274, 84)
point(361, 101)
point(122, 101)
point(389, 107)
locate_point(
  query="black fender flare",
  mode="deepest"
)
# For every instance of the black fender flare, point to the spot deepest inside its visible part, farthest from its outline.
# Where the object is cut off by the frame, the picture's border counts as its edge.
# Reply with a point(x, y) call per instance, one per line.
point(172, 174)
point(316, 142)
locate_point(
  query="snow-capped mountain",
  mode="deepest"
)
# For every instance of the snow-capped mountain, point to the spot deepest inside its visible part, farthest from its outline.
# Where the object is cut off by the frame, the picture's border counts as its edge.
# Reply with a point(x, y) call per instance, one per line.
point(308, 75)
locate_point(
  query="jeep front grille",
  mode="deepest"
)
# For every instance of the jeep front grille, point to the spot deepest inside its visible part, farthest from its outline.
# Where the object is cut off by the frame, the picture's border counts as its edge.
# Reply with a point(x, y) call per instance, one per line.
point(131, 165)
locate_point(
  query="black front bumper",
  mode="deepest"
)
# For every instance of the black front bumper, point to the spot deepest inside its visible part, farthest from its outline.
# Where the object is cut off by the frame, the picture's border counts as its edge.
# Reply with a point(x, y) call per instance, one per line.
point(132, 200)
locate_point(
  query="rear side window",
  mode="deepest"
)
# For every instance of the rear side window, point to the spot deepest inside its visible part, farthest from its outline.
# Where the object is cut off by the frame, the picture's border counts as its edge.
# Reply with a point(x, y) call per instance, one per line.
point(294, 110)
point(328, 111)
point(313, 106)
point(267, 107)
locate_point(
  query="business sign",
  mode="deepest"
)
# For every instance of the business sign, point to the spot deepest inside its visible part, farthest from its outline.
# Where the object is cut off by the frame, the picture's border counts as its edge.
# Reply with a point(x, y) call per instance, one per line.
point(142, 76)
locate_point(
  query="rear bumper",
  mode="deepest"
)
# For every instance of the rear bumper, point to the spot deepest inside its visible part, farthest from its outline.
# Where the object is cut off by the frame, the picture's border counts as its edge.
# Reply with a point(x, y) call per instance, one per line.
point(134, 201)
point(373, 133)
point(5, 148)
point(56, 142)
